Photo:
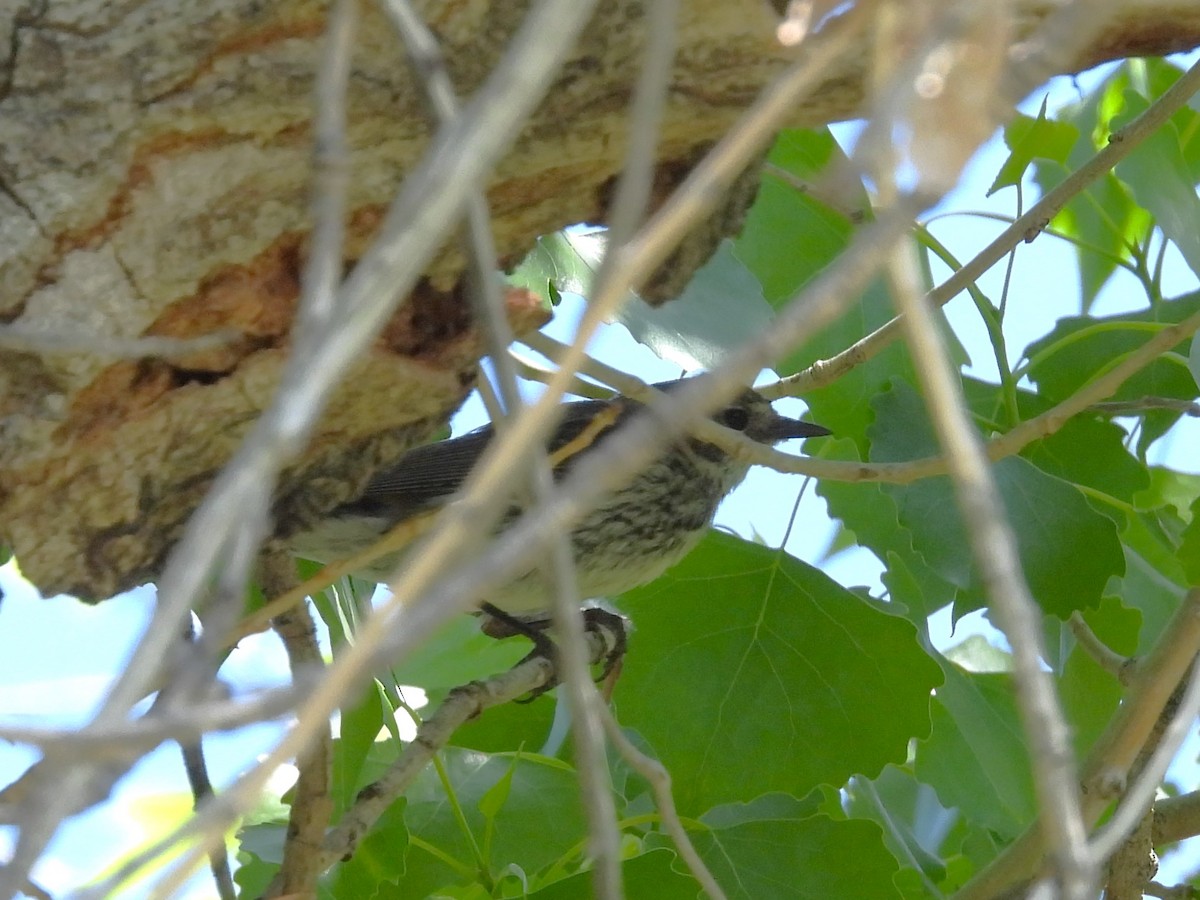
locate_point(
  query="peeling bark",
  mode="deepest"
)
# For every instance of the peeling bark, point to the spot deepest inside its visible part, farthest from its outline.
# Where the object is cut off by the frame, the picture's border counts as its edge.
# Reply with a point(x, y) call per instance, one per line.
point(154, 177)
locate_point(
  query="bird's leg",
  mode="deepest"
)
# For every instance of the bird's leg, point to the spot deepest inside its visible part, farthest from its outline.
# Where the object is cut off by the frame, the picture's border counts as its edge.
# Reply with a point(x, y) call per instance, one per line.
point(612, 628)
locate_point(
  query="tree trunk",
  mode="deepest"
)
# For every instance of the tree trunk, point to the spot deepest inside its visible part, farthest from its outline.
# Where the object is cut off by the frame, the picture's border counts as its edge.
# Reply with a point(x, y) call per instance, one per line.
point(154, 176)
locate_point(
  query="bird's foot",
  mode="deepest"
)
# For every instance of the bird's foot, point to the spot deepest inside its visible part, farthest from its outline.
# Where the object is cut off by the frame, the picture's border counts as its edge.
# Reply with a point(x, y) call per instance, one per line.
point(611, 630)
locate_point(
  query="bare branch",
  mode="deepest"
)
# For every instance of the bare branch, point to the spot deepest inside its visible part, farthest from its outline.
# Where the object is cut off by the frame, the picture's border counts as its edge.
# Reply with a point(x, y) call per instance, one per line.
point(1026, 228)
point(148, 732)
point(1163, 892)
point(461, 705)
point(331, 175)
point(431, 199)
point(1133, 864)
point(23, 339)
point(995, 552)
point(1120, 667)
point(1176, 818)
point(312, 802)
point(1145, 404)
point(1106, 770)
point(1139, 797)
point(659, 779)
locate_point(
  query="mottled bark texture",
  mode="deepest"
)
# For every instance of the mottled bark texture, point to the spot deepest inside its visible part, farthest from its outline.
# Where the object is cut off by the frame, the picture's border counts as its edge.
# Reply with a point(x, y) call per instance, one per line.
point(154, 173)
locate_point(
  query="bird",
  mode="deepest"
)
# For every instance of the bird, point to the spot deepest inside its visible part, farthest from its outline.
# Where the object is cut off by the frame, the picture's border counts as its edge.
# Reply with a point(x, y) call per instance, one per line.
point(631, 537)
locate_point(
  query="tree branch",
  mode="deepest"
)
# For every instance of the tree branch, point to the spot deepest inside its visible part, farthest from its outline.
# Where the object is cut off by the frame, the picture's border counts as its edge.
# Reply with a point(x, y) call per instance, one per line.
point(1176, 818)
point(659, 779)
point(431, 199)
point(461, 705)
point(1008, 444)
point(1114, 753)
point(1026, 228)
point(312, 801)
point(995, 550)
point(1120, 667)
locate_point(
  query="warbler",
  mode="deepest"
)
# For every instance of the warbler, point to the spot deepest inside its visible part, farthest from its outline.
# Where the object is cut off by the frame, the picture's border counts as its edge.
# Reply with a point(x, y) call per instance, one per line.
point(630, 538)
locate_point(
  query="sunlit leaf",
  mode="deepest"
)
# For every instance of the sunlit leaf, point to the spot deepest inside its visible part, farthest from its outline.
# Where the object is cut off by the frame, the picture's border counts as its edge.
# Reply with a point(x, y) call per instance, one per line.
point(1033, 138)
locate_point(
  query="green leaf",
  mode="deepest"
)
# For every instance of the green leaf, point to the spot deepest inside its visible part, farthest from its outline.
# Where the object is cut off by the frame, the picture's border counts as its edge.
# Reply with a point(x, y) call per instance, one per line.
point(1168, 488)
point(566, 261)
point(977, 757)
point(977, 654)
point(378, 862)
point(756, 851)
point(1090, 694)
point(751, 672)
point(1029, 139)
point(1103, 218)
point(1162, 180)
point(360, 725)
point(913, 822)
point(539, 821)
point(508, 727)
point(1079, 348)
point(1090, 452)
point(1194, 359)
point(259, 857)
point(790, 235)
point(456, 654)
point(650, 876)
point(494, 798)
point(1068, 550)
point(1189, 548)
point(721, 308)
point(1154, 578)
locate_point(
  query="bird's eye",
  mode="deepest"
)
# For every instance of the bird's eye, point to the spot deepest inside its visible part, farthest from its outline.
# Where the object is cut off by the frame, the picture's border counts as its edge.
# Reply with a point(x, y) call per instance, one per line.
point(734, 417)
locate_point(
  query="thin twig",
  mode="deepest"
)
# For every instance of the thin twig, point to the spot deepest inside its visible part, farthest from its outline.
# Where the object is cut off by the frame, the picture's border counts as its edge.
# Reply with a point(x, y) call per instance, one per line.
point(659, 779)
point(489, 311)
point(533, 371)
point(312, 800)
point(995, 551)
point(1026, 228)
point(35, 891)
point(431, 198)
point(1112, 662)
point(148, 732)
point(1114, 753)
point(1007, 444)
point(331, 176)
point(22, 338)
point(1173, 892)
point(1137, 407)
point(195, 766)
point(461, 705)
point(1140, 795)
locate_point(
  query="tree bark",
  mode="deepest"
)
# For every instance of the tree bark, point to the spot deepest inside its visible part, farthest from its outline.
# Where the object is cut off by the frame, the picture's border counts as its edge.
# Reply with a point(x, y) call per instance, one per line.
point(154, 177)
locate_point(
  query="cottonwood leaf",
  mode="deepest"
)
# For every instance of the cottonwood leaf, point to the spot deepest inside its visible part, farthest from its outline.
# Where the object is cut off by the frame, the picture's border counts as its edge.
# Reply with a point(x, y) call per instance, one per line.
point(751, 672)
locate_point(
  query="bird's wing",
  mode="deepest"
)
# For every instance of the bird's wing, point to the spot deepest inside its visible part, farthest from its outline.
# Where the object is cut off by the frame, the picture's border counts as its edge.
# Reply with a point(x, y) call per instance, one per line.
point(429, 475)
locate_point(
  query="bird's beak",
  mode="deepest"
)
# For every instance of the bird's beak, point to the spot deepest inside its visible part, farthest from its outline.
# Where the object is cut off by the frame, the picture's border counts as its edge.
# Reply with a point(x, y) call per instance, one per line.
point(784, 428)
